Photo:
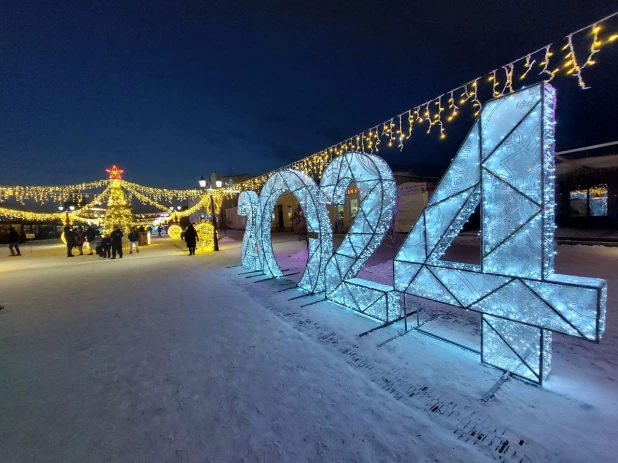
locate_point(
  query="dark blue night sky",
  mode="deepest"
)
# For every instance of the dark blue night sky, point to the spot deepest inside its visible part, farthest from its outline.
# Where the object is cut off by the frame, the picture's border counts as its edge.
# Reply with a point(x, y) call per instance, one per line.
point(172, 90)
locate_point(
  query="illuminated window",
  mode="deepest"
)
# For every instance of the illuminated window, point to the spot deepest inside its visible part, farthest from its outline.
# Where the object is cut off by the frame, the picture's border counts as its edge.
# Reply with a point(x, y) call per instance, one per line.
point(289, 212)
point(590, 202)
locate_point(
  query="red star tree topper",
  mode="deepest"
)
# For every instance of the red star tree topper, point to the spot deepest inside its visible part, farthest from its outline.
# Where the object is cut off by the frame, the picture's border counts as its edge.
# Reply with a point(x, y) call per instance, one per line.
point(114, 172)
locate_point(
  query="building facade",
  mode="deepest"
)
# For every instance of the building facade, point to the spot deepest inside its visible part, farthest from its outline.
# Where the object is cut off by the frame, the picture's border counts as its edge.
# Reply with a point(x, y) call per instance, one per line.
point(587, 187)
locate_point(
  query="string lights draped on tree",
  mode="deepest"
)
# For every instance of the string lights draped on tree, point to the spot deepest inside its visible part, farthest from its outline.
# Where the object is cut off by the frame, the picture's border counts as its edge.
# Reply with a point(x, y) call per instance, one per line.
point(118, 203)
point(118, 213)
point(78, 192)
point(543, 64)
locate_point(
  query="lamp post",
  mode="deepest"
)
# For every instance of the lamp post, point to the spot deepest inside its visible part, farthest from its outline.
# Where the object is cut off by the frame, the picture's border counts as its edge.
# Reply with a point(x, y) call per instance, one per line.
point(202, 183)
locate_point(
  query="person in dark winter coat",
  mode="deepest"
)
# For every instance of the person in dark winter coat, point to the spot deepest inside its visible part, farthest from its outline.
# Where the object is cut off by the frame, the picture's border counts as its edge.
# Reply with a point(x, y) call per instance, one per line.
point(91, 234)
point(134, 240)
point(14, 242)
point(191, 239)
point(105, 248)
point(80, 239)
point(69, 236)
point(116, 237)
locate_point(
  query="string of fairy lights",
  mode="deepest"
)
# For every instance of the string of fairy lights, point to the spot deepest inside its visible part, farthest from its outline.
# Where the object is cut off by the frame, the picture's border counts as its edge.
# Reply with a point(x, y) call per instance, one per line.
point(89, 212)
point(77, 192)
point(563, 57)
point(44, 194)
point(162, 194)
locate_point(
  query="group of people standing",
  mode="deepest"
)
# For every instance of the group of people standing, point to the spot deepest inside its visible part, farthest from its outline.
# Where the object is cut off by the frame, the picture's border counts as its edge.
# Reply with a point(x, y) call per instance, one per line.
point(105, 246)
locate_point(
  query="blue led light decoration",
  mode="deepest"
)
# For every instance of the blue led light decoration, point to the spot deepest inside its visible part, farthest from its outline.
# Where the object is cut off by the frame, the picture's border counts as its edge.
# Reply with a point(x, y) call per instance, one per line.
point(313, 204)
point(377, 194)
point(507, 164)
point(248, 206)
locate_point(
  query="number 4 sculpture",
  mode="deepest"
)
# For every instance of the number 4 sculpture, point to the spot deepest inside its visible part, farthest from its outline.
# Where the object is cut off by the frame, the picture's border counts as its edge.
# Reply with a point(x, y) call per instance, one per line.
point(506, 164)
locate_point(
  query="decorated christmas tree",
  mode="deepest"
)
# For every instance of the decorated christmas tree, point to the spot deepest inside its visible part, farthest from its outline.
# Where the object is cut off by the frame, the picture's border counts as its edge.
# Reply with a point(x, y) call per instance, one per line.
point(118, 211)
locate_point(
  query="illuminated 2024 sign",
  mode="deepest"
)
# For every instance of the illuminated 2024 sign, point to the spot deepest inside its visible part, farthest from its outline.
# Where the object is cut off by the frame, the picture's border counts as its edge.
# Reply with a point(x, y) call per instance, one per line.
point(505, 164)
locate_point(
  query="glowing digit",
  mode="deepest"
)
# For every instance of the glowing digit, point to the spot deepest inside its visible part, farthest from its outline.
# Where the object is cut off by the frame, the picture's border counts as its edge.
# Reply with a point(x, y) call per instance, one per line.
point(377, 194)
point(313, 204)
point(248, 205)
point(507, 164)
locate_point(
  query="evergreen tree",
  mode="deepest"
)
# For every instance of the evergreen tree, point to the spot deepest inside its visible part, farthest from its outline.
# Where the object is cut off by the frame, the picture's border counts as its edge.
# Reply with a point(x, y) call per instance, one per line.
point(118, 210)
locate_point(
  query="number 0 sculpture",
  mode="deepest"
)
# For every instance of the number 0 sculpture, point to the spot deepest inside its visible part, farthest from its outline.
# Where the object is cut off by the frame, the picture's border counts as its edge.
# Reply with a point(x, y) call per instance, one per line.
point(313, 204)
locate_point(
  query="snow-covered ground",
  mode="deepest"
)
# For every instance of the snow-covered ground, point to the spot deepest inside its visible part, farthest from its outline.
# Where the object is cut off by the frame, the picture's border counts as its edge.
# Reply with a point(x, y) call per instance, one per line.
point(157, 357)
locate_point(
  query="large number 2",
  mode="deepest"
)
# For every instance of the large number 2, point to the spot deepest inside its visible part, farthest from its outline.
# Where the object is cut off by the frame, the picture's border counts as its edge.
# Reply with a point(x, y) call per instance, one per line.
point(377, 195)
point(249, 205)
point(507, 164)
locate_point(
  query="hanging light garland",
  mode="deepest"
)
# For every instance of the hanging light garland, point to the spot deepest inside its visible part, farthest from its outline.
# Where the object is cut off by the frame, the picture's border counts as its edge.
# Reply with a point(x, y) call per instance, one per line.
point(162, 194)
point(143, 198)
point(549, 61)
point(31, 216)
point(44, 194)
point(144, 194)
point(97, 200)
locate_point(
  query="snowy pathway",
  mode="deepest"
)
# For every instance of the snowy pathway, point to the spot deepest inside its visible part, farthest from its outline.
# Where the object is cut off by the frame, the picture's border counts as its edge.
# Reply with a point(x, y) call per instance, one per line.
point(160, 358)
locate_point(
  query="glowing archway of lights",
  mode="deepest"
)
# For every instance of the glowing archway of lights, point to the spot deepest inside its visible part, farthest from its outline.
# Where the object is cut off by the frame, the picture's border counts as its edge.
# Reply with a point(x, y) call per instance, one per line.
point(313, 203)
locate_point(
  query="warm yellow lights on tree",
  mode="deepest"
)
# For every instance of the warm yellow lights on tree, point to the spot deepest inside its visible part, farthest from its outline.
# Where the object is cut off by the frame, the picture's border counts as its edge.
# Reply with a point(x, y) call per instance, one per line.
point(118, 213)
point(117, 203)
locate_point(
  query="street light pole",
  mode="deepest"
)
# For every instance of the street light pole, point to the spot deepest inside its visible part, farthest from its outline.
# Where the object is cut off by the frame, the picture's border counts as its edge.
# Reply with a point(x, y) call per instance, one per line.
point(214, 221)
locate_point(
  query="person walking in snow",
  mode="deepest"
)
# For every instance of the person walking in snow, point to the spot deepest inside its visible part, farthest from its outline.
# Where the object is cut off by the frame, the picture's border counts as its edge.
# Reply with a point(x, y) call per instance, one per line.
point(91, 235)
point(134, 240)
point(69, 236)
point(191, 239)
point(80, 239)
point(116, 237)
point(14, 242)
point(104, 250)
